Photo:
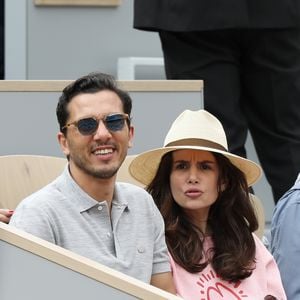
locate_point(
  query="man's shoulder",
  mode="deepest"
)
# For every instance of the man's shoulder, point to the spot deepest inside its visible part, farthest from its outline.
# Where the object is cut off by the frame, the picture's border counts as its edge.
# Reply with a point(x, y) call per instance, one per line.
point(291, 197)
point(130, 187)
point(50, 192)
point(287, 205)
point(134, 195)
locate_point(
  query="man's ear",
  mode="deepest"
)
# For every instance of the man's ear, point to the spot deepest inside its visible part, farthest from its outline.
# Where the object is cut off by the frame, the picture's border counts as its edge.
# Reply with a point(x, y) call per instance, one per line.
point(131, 134)
point(63, 142)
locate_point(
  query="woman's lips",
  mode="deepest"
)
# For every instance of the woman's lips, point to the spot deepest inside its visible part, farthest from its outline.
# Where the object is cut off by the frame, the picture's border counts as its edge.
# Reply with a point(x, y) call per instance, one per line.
point(193, 193)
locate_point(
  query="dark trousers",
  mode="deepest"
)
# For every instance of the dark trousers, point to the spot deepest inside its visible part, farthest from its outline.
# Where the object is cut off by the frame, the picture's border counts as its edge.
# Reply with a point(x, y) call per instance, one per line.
point(251, 81)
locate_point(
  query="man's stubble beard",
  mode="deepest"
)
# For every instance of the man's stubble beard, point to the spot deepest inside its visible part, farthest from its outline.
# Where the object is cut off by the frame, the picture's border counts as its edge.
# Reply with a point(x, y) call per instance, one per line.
point(89, 170)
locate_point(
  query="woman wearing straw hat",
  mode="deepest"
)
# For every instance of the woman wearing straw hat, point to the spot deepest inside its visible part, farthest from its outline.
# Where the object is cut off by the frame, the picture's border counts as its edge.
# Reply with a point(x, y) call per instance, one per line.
point(202, 192)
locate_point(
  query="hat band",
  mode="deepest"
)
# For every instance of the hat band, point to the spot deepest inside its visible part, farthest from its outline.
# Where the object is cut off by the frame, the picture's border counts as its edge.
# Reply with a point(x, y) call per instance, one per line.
point(197, 143)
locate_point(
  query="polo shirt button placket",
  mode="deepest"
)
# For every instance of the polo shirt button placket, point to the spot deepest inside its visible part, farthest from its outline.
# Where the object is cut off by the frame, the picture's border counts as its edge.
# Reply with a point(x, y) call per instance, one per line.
point(100, 207)
point(141, 249)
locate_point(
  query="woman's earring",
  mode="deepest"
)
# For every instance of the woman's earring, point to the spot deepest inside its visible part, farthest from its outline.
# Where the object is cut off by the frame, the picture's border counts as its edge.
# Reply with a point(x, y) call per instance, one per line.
point(223, 187)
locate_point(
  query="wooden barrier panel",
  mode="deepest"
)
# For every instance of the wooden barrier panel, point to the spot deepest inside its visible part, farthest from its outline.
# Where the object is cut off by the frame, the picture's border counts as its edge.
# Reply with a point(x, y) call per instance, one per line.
point(34, 269)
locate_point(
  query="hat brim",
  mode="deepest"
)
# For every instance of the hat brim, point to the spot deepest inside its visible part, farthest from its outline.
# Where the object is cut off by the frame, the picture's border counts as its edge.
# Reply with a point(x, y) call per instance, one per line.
point(144, 166)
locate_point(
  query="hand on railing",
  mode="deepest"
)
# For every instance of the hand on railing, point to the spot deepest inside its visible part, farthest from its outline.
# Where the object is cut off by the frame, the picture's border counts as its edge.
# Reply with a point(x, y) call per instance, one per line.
point(5, 215)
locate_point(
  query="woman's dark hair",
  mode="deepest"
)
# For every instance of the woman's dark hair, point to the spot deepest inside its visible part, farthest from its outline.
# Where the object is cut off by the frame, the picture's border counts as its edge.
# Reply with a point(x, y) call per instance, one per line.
point(89, 84)
point(231, 219)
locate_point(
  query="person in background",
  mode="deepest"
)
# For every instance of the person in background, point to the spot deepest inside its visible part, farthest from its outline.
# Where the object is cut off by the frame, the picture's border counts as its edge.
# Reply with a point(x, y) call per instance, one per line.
point(285, 243)
point(201, 190)
point(248, 54)
point(85, 210)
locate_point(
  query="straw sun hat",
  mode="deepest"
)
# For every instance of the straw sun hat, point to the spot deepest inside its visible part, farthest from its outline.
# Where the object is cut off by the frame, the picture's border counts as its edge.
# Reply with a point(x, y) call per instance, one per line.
point(197, 130)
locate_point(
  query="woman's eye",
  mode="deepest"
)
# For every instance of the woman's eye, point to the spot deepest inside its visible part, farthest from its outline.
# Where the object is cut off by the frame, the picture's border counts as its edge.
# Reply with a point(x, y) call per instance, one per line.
point(205, 166)
point(180, 166)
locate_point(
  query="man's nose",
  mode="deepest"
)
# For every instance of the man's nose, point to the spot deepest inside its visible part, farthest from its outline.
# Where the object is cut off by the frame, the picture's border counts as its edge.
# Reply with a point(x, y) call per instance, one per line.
point(102, 132)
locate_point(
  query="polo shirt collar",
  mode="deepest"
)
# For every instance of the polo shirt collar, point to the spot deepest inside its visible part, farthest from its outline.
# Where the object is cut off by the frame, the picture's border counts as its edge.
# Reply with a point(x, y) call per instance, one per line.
point(120, 197)
point(297, 183)
point(84, 201)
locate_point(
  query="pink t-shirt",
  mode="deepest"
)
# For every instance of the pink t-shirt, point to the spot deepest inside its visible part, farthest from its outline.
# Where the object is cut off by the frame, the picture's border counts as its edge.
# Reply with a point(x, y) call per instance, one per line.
point(206, 285)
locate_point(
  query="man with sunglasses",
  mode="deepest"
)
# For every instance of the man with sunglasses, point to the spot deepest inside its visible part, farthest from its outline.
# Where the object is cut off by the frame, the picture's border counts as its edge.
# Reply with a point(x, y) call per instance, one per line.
point(85, 210)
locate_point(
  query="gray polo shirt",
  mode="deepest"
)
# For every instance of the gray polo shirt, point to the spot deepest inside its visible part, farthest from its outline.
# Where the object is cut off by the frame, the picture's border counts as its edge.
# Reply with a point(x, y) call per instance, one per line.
point(131, 241)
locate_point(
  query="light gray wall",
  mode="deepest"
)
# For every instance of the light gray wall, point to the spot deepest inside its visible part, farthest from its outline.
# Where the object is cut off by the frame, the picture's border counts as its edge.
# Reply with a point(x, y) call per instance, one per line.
point(66, 42)
point(15, 39)
point(32, 127)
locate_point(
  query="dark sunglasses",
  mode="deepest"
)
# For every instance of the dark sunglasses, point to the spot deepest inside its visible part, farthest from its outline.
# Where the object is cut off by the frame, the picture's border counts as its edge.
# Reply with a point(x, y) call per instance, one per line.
point(89, 126)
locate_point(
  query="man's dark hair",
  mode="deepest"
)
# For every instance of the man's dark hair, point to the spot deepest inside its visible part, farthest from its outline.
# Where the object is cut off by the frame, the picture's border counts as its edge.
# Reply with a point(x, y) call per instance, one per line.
point(89, 84)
